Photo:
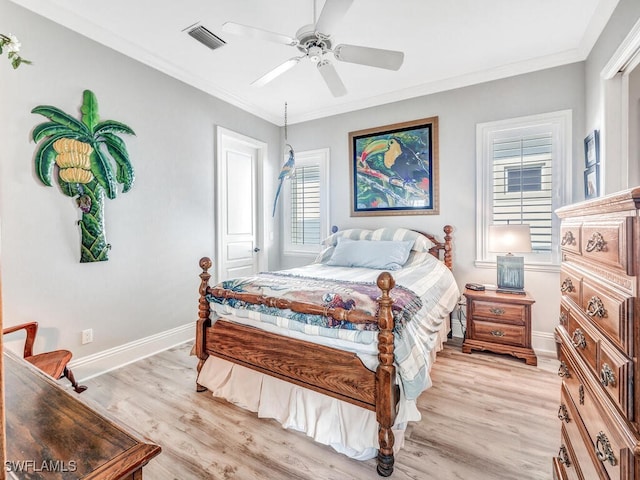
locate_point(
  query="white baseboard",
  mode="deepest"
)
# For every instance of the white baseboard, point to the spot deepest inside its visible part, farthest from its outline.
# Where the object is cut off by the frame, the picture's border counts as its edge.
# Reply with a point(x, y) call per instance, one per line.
point(91, 366)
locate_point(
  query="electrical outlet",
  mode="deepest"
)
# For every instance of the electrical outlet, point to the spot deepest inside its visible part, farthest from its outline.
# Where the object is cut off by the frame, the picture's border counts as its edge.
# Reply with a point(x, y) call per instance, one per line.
point(87, 336)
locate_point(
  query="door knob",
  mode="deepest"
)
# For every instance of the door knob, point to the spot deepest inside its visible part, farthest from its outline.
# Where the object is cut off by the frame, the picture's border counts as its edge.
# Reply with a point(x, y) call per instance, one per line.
point(257, 249)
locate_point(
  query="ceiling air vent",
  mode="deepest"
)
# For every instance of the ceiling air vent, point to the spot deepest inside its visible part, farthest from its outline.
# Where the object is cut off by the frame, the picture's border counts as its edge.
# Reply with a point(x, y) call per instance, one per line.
point(205, 36)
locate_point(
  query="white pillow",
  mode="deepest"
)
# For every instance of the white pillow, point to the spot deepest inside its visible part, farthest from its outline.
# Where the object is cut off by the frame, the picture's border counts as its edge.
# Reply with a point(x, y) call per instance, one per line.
point(422, 243)
point(381, 254)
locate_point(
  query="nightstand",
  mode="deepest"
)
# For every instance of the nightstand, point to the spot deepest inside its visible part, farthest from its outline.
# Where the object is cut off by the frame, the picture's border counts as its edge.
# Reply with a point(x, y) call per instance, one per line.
point(499, 323)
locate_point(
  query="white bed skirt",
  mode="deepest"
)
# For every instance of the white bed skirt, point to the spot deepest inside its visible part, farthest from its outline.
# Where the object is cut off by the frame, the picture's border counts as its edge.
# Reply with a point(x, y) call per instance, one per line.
point(348, 429)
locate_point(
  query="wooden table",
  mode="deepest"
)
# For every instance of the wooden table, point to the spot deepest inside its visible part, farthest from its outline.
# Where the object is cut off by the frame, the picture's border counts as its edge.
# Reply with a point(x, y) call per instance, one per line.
point(51, 434)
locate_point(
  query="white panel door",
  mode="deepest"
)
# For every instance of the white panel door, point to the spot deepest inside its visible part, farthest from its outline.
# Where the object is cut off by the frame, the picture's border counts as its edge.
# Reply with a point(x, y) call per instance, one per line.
point(238, 249)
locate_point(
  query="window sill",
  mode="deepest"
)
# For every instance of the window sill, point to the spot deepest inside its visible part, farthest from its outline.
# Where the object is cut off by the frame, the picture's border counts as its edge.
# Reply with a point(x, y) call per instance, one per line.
point(528, 267)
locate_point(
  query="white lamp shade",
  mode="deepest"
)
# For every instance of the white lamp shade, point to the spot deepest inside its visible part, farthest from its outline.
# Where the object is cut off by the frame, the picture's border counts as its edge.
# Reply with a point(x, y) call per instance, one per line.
point(509, 238)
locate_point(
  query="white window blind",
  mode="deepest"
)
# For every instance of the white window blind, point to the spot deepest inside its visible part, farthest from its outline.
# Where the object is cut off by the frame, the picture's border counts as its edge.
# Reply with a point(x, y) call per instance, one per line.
point(522, 185)
point(306, 205)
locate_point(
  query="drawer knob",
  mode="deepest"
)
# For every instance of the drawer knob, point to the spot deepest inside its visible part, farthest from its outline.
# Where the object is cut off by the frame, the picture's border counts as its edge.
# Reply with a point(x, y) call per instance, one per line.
point(497, 311)
point(604, 451)
point(568, 239)
point(562, 413)
point(563, 318)
point(607, 376)
point(497, 333)
point(581, 394)
point(567, 286)
point(578, 339)
point(596, 243)
point(595, 308)
point(563, 371)
point(563, 456)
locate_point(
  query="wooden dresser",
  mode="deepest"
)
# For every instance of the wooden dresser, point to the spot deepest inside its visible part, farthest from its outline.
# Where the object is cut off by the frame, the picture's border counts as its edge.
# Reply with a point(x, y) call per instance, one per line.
point(53, 435)
point(598, 339)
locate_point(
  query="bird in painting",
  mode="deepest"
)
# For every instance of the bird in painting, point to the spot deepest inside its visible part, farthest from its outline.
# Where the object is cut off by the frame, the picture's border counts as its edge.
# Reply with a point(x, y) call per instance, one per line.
point(397, 159)
point(285, 172)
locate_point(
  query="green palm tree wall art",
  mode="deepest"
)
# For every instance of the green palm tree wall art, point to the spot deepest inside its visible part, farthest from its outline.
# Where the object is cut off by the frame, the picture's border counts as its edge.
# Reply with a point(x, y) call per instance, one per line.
point(85, 153)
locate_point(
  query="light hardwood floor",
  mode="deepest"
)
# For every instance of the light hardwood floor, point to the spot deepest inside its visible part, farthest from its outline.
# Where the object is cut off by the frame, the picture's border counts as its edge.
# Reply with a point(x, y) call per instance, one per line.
point(487, 416)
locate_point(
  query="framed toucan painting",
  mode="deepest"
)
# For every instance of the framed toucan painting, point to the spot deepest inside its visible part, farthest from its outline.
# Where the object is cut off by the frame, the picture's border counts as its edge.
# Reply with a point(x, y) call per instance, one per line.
point(394, 169)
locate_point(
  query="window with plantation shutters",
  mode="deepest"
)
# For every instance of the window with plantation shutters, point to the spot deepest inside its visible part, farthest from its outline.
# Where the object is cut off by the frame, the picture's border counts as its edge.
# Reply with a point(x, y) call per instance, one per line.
point(522, 178)
point(306, 203)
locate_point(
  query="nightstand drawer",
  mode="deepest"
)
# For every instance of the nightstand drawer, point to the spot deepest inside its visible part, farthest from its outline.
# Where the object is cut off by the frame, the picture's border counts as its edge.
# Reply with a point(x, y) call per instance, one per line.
point(499, 311)
point(503, 333)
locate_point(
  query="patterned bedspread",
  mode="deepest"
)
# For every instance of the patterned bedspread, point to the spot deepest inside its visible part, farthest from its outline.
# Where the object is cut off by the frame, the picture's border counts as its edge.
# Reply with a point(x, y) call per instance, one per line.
point(424, 294)
point(321, 291)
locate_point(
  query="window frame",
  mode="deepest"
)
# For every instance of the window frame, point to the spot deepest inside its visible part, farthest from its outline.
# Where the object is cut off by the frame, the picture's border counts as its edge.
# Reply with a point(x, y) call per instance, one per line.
point(560, 125)
point(320, 157)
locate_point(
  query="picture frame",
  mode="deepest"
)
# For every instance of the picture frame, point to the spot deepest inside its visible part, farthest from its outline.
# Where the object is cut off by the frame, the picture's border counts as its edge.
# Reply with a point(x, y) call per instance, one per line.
point(592, 149)
point(394, 169)
point(592, 182)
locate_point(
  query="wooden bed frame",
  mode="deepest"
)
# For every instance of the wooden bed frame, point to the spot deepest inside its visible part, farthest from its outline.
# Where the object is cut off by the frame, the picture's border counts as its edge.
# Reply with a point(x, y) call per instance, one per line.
point(327, 370)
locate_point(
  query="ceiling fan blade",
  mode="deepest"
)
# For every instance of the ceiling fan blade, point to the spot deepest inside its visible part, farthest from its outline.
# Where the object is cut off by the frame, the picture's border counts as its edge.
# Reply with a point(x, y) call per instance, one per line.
point(253, 32)
point(276, 72)
point(331, 14)
point(331, 78)
point(373, 57)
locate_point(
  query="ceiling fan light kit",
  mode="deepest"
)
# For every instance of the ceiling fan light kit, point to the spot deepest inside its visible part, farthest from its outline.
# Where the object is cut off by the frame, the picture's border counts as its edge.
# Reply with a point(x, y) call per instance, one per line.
point(315, 44)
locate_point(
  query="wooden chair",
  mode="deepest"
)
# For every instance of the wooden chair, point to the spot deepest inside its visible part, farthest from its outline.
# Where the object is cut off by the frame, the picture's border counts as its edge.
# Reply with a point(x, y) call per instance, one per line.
point(52, 363)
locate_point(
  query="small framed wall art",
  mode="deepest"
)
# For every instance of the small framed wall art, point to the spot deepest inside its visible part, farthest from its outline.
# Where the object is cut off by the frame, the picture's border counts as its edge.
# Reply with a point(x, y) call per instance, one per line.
point(592, 149)
point(592, 181)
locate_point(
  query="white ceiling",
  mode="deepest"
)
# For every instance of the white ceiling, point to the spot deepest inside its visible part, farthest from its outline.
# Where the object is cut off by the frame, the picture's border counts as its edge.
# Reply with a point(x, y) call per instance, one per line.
point(447, 44)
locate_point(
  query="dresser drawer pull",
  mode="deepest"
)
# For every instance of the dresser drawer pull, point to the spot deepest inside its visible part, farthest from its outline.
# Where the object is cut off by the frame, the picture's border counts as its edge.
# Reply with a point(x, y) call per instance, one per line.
point(607, 376)
point(563, 456)
point(596, 243)
point(497, 311)
point(567, 286)
point(595, 308)
point(563, 318)
point(604, 450)
point(568, 239)
point(581, 394)
point(497, 333)
point(563, 371)
point(578, 339)
point(562, 413)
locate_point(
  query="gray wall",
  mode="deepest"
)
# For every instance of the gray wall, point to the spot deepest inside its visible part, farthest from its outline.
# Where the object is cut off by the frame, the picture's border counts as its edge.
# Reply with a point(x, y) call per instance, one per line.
point(158, 230)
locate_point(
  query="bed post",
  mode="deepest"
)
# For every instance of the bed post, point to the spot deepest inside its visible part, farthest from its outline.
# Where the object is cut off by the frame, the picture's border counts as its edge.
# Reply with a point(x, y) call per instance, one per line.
point(448, 259)
point(204, 317)
point(386, 388)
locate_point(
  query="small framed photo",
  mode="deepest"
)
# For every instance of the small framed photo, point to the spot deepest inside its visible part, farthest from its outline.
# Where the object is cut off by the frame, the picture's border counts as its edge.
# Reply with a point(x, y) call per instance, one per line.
point(591, 149)
point(592, 182)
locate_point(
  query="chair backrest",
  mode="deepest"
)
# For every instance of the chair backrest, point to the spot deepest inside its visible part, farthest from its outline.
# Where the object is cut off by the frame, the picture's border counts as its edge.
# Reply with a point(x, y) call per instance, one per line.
point(32, 329)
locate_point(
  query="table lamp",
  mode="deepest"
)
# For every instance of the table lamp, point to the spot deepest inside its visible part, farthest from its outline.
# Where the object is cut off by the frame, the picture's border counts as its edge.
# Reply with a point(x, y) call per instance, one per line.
point(508, 239)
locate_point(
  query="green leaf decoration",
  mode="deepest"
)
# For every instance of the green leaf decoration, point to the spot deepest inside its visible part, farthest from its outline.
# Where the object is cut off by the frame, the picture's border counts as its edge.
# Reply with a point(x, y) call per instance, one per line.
point(69, 189)
point(118, 150)
point(48, 129)
point(111, 126)
point(103, 172)
point(58, 116)
point(89, 110)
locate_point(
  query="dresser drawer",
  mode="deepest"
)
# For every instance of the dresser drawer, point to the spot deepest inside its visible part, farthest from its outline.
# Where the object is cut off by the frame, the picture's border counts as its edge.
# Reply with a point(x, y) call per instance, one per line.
point(615, 373)
point(608, 243)
point(570, 237)
point(565, 466)
point(610, 311)
point(584, 341)
point(499, 312)
point(502, 333)
point(571, 284)
point(574, 435)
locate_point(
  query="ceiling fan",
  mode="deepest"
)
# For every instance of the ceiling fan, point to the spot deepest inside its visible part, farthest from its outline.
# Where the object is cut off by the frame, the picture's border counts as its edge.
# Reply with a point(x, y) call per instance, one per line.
point(314, 42)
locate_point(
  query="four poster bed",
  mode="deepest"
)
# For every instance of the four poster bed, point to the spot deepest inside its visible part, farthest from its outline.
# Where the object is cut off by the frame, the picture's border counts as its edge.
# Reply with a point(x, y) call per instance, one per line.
point(339, 349)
